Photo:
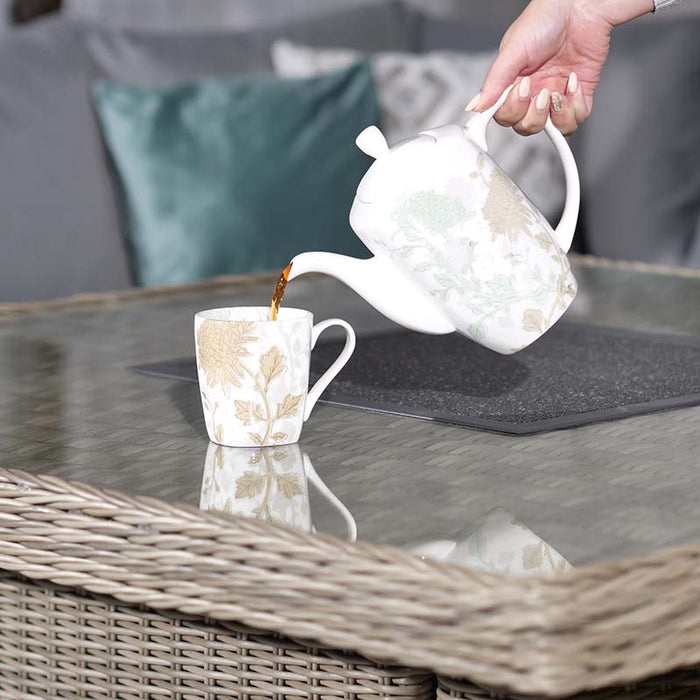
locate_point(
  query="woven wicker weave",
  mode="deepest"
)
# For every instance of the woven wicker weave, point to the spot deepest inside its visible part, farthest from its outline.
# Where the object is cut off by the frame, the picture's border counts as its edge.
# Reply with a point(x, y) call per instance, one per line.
point(598, 627)
point(681, 685)
point(57, 643)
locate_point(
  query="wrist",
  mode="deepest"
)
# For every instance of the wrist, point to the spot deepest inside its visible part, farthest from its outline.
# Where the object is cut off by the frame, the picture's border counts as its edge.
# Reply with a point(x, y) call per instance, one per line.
point(617, 12)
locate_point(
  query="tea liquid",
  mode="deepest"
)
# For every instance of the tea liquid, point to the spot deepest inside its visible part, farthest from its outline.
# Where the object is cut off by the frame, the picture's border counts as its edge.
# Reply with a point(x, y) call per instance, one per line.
point(278, 294)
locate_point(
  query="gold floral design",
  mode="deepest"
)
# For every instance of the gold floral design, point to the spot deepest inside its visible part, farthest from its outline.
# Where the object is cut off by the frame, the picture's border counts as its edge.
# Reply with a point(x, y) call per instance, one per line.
point(536, 554)
point(222, 351)
point(253, 483)
point(505, 211)
point(533, 321)
point(222, 347)
point(272, 367)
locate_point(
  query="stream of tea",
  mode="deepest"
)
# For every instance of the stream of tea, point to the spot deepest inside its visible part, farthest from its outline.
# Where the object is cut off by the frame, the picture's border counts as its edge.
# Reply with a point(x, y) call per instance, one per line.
point(278, 294)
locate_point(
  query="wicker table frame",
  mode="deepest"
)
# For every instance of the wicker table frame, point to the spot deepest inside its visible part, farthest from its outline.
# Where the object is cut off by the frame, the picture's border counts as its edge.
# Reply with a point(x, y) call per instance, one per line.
point(111, 596)
point(103, 595)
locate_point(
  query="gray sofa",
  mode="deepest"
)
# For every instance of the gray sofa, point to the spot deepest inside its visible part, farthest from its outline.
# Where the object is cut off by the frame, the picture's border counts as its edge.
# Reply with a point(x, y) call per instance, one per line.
point(60, 231)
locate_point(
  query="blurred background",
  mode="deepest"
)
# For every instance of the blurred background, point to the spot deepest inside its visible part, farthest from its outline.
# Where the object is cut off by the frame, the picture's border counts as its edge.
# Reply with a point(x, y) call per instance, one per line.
point(165, 141)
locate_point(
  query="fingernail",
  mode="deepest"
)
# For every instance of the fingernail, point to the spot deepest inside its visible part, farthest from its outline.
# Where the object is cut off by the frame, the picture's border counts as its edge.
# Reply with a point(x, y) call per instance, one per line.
point(572, 85)
point(542, 99)
point(524, 88)
point(557, 102)
point(473, 104)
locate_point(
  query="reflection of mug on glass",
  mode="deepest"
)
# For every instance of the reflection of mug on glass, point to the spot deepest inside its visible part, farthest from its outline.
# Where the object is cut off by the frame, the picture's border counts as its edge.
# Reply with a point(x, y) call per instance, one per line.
point(254, 373)
point(270, 483)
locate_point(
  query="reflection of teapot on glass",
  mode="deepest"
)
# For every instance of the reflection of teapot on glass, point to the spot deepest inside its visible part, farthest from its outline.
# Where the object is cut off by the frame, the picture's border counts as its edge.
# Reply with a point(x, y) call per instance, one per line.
point(501, 544)
point(456, 244)
point(267, 483)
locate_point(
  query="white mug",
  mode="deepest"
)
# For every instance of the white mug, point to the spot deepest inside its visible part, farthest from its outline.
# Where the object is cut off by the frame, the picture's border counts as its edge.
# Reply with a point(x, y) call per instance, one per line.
point(254, 373)
point(270, 483)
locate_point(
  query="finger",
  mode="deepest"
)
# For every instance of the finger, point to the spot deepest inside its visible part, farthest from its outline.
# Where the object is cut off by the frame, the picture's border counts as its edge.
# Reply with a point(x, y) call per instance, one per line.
point(574, 92)
point(503, 72)
point(536, 116)
point(517, 104)
point(562, 113)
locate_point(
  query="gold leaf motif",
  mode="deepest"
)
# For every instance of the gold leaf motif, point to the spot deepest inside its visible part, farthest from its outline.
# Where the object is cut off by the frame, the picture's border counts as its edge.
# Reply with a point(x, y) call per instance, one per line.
point(228, 506)
point(248, 412)
point(219, 433)
point(257, 412)
point(272, 364)
point(545, 242)
point(288, 484)
point(243, 411)
point(532, 556)
point(279, 455)
point(255, 457)
point(506, 210)
point(278, 437)
point(289, 406)
point(219, 457)
point(222, 346)
point(249, 485)
point(255, 438)
point(533, 321)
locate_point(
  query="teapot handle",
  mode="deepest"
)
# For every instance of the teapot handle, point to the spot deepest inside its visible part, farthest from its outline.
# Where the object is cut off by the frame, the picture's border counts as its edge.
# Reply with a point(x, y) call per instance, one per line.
point(564, 232)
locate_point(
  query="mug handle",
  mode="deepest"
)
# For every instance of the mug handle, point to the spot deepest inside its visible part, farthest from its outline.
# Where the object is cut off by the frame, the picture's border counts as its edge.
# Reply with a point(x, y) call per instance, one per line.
point(321, 487)
point(329, 375)
point(564, 232)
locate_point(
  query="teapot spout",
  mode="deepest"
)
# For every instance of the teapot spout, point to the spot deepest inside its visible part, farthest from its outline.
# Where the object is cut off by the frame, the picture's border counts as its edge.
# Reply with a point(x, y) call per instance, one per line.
point(382, 285)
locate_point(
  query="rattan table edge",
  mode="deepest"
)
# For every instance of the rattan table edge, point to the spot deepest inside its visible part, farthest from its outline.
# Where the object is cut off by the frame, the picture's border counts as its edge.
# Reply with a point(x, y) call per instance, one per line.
point(13, 310)
point(598, 626)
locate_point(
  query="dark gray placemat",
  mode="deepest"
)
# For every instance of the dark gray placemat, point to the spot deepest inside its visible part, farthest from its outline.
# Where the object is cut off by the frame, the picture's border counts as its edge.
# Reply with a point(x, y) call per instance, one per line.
point(574, 375)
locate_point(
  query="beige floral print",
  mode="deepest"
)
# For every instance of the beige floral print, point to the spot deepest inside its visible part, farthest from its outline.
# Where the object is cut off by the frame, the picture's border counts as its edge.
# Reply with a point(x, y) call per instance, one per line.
point(504, 210)
point(272, 367)
point(253, 483)
point(222, 351)
point(222, 347)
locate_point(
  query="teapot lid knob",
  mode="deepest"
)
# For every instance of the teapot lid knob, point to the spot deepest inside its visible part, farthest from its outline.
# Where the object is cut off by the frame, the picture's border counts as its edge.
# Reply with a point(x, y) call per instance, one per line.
point(372, 142)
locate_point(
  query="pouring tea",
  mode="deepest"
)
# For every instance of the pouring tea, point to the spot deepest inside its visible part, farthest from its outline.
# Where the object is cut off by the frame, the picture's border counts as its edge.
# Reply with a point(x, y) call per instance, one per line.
point(456, 245)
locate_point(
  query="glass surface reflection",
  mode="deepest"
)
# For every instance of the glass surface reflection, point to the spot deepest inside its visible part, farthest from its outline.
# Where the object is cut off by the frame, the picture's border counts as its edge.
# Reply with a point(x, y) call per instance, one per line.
point(500, 544)
point(267, 483)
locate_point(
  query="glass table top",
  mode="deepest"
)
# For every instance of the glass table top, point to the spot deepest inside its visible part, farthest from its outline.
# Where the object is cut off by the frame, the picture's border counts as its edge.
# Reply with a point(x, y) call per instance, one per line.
point(69, 407)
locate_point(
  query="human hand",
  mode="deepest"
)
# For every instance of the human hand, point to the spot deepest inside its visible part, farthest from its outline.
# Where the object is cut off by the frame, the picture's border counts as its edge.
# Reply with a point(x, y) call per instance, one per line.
point(554, 52)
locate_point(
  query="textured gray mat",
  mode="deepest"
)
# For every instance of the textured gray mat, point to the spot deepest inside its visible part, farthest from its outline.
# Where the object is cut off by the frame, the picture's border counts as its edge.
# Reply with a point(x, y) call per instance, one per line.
point(572, 376)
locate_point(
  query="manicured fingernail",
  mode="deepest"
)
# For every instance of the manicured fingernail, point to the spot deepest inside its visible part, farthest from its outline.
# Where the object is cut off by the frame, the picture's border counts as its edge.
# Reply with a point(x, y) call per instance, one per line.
point(525, 88)
point(542, 100)
point(572, 85)
point(557, 102)
point(473, 104)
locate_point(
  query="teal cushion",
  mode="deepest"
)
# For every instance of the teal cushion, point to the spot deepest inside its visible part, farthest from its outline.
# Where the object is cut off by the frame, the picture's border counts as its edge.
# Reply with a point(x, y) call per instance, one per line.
point(239, 175)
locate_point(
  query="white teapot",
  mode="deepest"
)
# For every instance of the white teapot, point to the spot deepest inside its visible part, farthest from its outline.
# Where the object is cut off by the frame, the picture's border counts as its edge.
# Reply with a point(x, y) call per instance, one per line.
point(457, 246)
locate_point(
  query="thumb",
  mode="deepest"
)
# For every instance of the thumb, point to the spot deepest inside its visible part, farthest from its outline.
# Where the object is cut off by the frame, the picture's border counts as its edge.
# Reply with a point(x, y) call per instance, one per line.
point(505, 69)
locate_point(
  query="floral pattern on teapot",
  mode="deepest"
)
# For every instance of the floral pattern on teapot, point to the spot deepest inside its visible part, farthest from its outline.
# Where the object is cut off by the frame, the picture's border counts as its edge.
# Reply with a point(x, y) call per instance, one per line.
point(462, 230)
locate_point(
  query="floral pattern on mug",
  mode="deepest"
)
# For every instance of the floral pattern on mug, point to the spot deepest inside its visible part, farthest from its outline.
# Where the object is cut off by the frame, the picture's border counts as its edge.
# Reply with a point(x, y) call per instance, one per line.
point(267, 483)
point(254, 373)
point(253, 379)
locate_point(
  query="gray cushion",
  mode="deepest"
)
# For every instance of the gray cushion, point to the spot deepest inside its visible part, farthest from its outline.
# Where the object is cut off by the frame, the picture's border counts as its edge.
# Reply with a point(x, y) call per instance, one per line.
point(59, 228)
point(148, 58)
point(58, 232)
point(640, 162)
point(469, 26)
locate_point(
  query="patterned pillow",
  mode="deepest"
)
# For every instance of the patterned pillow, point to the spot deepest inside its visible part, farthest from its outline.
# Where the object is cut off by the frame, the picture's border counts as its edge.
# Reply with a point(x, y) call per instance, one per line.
point(420, 91)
